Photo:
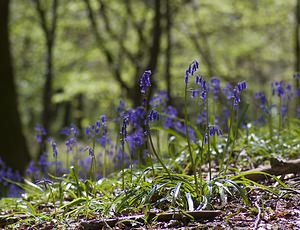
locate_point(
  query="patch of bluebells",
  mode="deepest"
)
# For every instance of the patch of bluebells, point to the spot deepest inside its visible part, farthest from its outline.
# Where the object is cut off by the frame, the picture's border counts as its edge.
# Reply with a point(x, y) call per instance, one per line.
point(284, 93)
point(180, 128)
point(262, 101)
point(228, 90)
point(168, 116)
point(6, 188)
point(160, 99)
point(71, 133)
point(201, 118)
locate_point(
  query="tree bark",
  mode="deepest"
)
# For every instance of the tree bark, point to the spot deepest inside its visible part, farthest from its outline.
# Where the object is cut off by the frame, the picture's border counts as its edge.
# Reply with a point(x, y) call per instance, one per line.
point(13, 148)
point(168, 50)
point(155, 47)
point(49, 30)
point(297, 45)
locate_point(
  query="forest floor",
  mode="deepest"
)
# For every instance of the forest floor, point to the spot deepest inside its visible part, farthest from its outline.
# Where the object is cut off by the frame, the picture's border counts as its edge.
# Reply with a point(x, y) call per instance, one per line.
point(266, 212)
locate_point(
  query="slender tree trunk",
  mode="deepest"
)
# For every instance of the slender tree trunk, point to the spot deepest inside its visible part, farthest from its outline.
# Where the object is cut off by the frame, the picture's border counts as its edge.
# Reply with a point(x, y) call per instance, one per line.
point(47, 92)
point(79, 111)
point(13, 148)
point(49, 30)
point(155, 47)
point(168, 50)
point(67, 115)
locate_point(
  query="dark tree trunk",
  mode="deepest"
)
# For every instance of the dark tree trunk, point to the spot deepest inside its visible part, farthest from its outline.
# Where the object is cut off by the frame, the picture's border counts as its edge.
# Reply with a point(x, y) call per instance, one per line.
point(49, 30)
point(13, 148)
point(168, 50)
point(155, 47)
point(67, 115)
point(297, 40)
point(79, 111)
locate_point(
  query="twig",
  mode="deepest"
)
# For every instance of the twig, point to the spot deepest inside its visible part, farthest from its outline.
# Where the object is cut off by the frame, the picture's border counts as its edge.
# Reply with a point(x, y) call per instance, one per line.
point(258, 218)
point(160, 217)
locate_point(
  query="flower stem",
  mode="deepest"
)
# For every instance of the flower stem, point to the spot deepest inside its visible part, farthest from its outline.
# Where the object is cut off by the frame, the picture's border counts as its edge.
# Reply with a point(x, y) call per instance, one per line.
point(188, 141)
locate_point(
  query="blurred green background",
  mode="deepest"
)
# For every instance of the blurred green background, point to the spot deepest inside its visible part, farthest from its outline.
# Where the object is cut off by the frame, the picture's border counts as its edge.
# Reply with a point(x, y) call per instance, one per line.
point(74, 60)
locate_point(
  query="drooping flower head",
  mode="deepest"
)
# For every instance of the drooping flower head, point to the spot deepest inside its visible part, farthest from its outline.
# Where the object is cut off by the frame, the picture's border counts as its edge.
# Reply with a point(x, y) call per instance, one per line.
point(278, 88)
point(54, 149)
point(212, 131)
point(192, 68)
point(145, 82)
point(123, 132)
point(260, 96)
point(153, 115)
point(40, 132)
point(203, 88)
point(237, 91)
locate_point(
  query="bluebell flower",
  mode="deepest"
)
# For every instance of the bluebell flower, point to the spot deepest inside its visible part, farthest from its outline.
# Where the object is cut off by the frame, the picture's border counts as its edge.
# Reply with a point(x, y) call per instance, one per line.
point(170, 113)
point(297, 76)
point(123, 132)
point(32, 171)
point(289, 91)
point(181, 128)
point(298, 92)
point(145, 82)
point(43, 163)
point(283, 111)
point(121, 108)
point(65, 131)
point(212, 131)
point(153, 115)
point(14, 191)
point(91, 152)
point(260, 96)
point(238, 89)
point(70, 144)
point(192, 68)
point(241, 86)
point(71, 133)
point(159, 99)
point(54, 149)
point(215, 87)
point(278, 88)
point(136, 139)
point(201, 118)
point(228, 91)
point(203, 88)
point(40, 132)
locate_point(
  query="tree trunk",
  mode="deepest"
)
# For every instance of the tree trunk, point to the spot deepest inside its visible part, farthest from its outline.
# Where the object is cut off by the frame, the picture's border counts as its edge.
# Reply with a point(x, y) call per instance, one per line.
point(49, 30)
point(79, 110)
point(168, 50)
point(155, 47)
point(13, 148)
point(297, 42)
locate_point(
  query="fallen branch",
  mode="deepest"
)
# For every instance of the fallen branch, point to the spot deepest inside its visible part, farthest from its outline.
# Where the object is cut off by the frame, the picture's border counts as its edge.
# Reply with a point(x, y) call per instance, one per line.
point(276, 168)
point(161, 217)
